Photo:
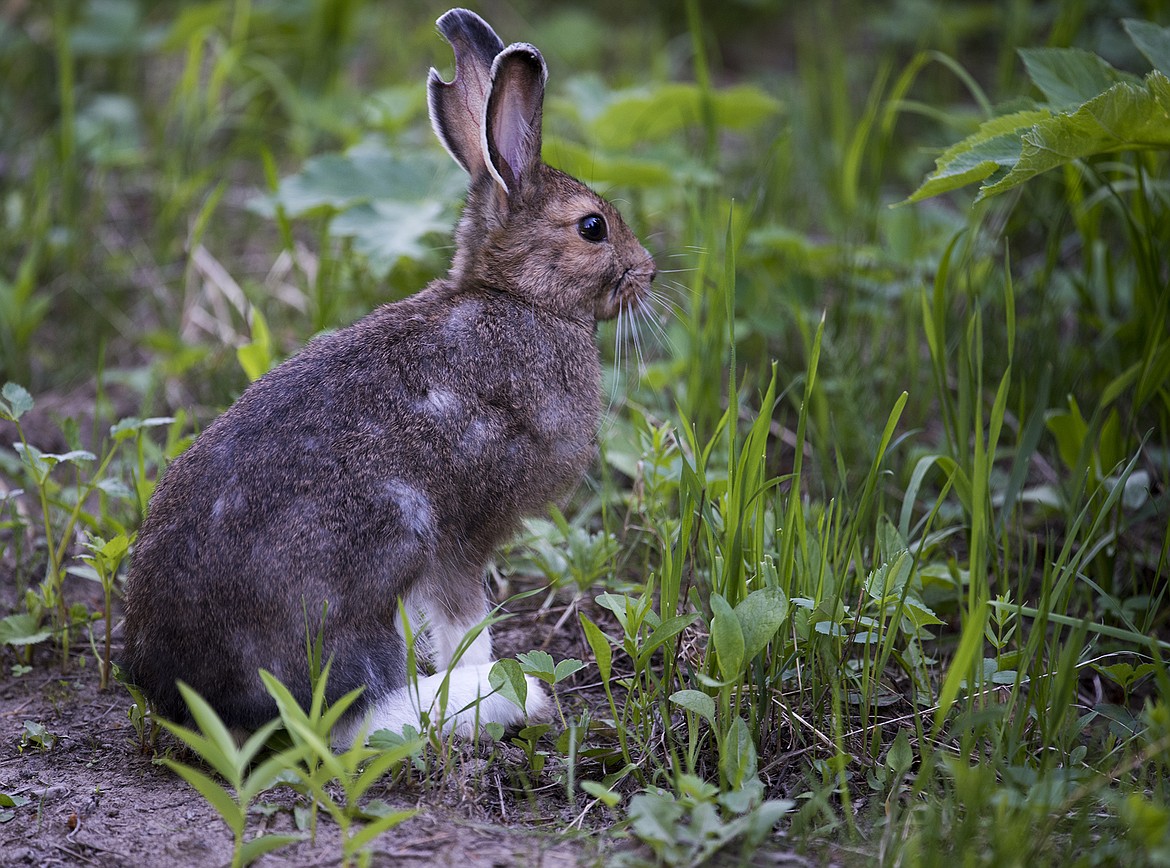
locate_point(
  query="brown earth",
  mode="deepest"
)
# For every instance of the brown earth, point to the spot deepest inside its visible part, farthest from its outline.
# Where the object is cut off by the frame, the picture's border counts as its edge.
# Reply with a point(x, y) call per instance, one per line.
point(94, 799)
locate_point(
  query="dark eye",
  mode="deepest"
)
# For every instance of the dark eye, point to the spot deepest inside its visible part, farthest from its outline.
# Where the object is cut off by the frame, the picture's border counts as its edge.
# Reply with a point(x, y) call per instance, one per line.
point(592, 228)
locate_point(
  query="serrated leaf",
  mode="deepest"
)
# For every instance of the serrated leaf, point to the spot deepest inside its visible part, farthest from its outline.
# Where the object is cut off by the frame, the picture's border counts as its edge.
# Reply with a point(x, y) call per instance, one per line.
point(538, 664)
point(17, 401)
point(1151, 40)
point(1125, 117)
point(387, 231)
point(993, 148)
point(507, 678)
point(761, 614)
point(22, 629)
point(1068, 76)
point(364, 174)
point(696, 701)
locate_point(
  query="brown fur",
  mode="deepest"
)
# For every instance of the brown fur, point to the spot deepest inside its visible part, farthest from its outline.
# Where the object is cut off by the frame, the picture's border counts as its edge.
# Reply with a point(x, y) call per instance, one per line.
point(392, 456)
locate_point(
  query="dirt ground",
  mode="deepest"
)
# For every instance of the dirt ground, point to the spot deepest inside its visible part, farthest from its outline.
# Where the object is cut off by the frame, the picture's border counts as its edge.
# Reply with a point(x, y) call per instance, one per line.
point(94, 799)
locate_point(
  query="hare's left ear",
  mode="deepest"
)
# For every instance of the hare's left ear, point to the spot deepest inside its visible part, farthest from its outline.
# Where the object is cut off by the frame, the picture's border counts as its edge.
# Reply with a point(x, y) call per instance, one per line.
point(511, 130)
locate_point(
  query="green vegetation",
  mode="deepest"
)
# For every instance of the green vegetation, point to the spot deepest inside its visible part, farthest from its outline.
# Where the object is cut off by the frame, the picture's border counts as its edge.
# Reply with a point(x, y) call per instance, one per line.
point(876, 554)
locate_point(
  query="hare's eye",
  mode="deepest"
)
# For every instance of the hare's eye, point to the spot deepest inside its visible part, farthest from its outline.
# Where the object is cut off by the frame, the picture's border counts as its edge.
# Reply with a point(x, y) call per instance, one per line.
point(592, 228)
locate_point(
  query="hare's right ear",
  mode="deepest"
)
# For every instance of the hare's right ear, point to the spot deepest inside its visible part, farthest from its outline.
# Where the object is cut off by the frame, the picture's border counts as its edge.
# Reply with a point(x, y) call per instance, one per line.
point(457, 107)
point(512, 134)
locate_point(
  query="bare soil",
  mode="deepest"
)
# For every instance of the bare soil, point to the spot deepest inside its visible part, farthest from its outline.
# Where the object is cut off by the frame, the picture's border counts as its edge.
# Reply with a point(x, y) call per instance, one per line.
point(94, 799)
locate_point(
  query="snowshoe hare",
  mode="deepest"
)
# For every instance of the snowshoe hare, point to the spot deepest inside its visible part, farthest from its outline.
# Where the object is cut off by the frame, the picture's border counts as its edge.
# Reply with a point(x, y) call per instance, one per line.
point(389, 459)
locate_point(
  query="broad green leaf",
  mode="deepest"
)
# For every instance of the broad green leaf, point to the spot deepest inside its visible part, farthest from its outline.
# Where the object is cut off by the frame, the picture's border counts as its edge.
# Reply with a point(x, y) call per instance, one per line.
point(604, 169)
point(364, 174)
point(566, 668)
point(662, 634)
point(123, 429)
point(599, 643)
point(900, 755)
point(22, 629)
point(727, 637)
point(1069, 429)
point(888, 580)
point(1068, 76)
point(387, 231)
point(16, 401)
point(1152, 41)
point(697, 701)
point(655, 817)
point(507, 678)
point(761, 614)
point(1125, 117)
point(737, 754)
point(993, 148)
point(538, 664)
point(651, 115)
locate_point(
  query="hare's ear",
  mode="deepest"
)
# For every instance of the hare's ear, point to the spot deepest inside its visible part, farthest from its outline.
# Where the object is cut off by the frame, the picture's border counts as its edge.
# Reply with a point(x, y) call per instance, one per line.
point(511, 140)
point(457, 107)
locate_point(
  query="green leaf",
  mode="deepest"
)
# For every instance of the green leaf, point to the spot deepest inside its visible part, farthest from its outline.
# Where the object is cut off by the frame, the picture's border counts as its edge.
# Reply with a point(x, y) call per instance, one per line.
point(538, 664)
point(1152, 41)
point(386, 232)
point(737, 754)
point(1125, 117)
point(16, 401)
point(1068, 76)
point(566, 668)
point(255, 357)
point(363, 174)
point(900, 755)
point(507, 678)
point(219, 750)
point(372, 830)
point(602, 793)
point(993, 148)
point(257, 847)
point(654, 114)
point(1069, 430)
point(727, 637)
point(696, 701)
point(599, 643)
point(604, 169)
point(215, 795)
point(761, 614)
point(22, 629)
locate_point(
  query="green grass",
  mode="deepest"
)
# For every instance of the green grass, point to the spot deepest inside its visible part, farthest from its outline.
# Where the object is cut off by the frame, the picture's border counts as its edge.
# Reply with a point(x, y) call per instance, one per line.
point(876, 552)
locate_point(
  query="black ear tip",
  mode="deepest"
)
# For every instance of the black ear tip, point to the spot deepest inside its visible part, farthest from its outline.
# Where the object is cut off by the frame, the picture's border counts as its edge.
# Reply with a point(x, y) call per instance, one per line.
point(525, 54)
point(463, 25)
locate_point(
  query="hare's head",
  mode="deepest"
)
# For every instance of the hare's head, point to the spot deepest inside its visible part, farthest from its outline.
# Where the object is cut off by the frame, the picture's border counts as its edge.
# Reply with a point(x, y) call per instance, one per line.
point(527, 229)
